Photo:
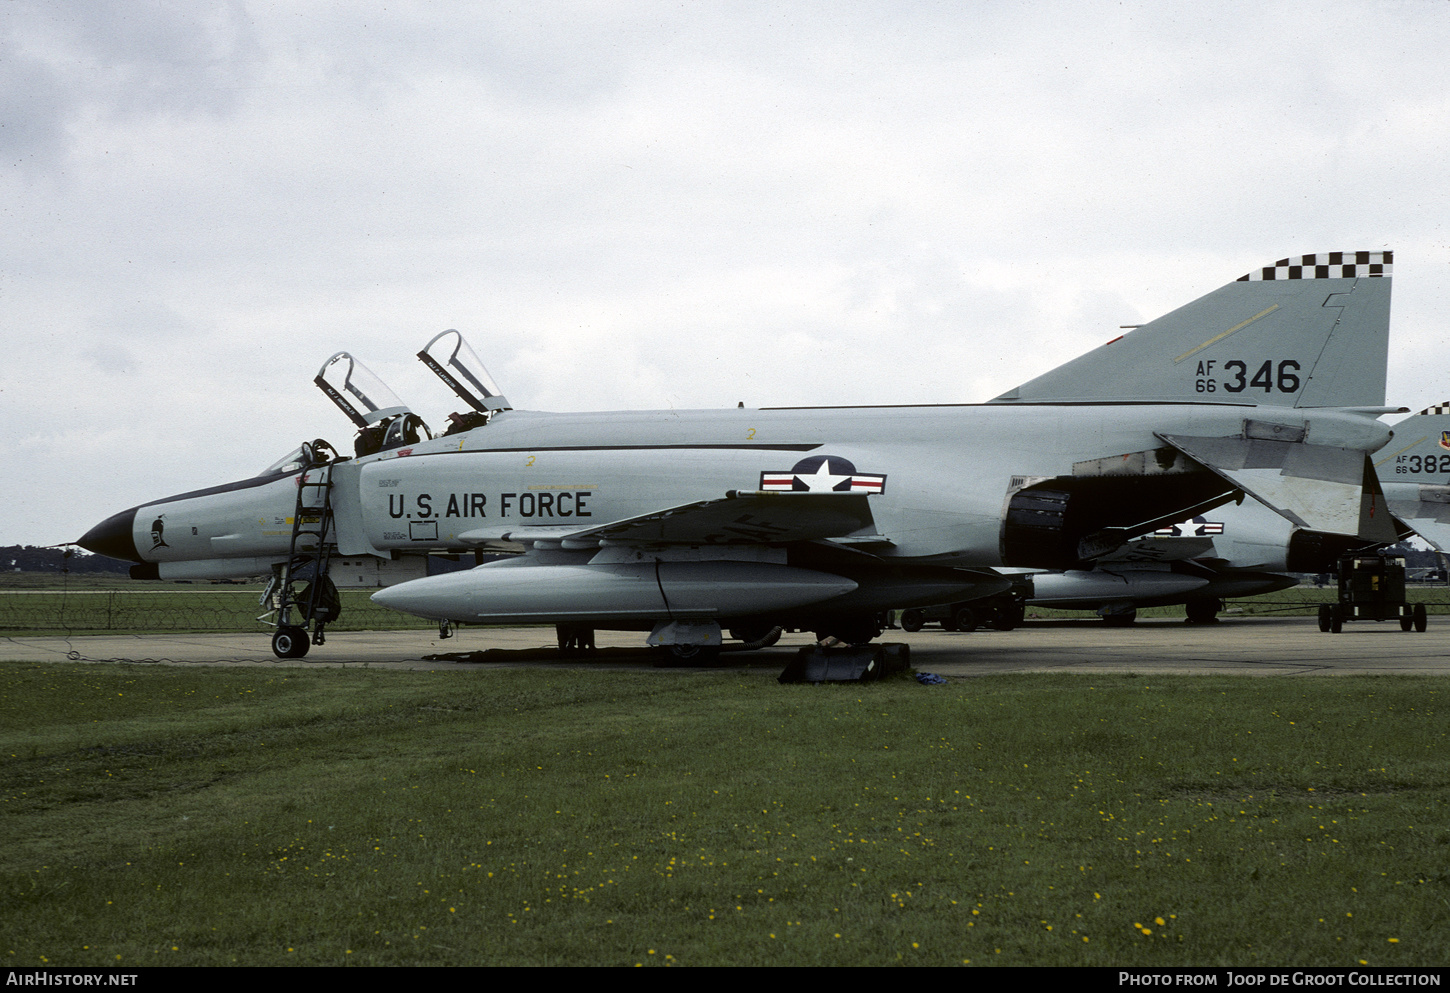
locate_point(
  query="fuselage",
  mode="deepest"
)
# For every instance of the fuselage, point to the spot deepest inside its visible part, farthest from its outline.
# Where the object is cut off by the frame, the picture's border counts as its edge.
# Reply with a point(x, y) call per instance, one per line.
point(939, 477)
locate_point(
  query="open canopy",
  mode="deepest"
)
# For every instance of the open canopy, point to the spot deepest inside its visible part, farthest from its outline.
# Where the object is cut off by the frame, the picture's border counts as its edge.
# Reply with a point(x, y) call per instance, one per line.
point(361, 395)
point(449, 356)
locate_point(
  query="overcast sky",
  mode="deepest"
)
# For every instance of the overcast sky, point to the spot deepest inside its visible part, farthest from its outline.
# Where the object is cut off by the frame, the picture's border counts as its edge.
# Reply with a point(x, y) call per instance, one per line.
point(644, 205)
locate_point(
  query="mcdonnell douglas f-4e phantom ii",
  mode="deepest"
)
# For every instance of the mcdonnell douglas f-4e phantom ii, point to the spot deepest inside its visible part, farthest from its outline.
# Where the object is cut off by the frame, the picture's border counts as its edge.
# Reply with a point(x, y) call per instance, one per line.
point(684, 523)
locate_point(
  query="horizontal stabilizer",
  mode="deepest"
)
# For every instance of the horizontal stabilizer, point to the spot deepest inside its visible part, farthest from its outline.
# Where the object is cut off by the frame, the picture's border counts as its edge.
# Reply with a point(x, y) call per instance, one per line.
point(1318, 487)
point(1308, 331)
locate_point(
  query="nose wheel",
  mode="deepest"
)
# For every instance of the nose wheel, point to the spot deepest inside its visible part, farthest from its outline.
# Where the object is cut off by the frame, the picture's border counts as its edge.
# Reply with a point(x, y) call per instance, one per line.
point(290, 642)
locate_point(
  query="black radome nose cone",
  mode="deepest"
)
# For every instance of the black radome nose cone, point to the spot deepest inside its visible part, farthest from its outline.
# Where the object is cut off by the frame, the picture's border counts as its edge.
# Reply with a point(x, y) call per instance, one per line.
point(113, 537)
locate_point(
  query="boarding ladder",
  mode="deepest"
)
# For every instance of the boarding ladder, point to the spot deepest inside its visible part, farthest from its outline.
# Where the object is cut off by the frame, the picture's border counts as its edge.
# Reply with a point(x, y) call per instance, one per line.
point(309, 556)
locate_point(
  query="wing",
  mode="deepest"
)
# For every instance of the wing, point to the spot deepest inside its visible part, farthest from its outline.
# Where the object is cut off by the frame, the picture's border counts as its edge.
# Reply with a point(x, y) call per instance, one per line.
point(741, 517)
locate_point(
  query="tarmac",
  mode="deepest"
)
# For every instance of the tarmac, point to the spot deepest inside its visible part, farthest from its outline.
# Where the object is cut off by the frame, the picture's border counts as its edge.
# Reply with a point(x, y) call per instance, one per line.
point(1240, 646)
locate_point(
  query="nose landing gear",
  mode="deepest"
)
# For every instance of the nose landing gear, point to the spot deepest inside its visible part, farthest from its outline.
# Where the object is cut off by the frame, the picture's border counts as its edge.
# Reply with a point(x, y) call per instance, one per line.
point(317, 602)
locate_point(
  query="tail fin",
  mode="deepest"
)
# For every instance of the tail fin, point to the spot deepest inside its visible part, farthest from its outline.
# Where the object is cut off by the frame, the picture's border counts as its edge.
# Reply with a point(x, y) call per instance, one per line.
point(1420, 451)
point(1308, 331)
point(1415, 468)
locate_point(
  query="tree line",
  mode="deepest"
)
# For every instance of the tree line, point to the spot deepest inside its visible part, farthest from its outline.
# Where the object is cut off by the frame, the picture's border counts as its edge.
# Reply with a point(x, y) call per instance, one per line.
point(30, 558)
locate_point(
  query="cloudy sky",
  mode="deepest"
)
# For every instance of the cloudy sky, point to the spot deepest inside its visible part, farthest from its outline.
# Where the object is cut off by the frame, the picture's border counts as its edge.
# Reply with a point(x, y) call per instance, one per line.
point(643, 205)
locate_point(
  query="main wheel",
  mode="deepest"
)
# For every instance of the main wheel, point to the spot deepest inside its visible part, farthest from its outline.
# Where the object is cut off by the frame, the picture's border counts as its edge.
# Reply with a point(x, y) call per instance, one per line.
point(1121, 619)
point(680, 655)
point(964, 619)
point(913, 619)
point(1407, 620)
point(1336, 619)
point(1203, 610)
point(1008, 617)
point(1326, 617)
point(850, 630)
point(573, 638)
point(1422, 618)
point(290, 642)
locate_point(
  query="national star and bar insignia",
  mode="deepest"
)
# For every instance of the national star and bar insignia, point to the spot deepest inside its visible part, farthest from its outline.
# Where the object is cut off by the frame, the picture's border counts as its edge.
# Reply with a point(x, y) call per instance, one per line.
point(823, 474)
point(1198, 527)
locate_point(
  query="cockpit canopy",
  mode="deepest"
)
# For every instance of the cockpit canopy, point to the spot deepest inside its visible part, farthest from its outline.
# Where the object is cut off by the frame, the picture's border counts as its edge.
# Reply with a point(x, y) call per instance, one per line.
point(449, 356)
point(383, 420)
point(353, 387)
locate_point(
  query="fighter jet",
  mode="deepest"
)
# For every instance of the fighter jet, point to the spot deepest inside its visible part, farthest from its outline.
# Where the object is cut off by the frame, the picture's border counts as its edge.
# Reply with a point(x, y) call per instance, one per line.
point(1416, 473)
point(690, 524)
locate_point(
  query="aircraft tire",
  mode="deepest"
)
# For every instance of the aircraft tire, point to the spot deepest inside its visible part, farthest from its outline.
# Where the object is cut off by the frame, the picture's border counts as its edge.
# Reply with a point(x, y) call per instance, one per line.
point(1203, 610)
point(676, 656)
point(574, 639)
point(290, 642)
point(1336, 620)
point(1125, 619)
point(1008, 618)
point(1407, 621)
point(1326, 614)
point(912, 620)
point(1422, 618)
point(850, 631)
point(964, 619)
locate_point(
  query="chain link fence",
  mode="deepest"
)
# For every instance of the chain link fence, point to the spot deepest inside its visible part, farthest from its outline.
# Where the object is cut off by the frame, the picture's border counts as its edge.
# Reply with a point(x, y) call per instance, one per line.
point(91, 611)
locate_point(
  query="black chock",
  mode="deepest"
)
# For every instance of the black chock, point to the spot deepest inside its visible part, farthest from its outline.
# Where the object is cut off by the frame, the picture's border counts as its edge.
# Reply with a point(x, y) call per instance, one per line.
point(815, 664)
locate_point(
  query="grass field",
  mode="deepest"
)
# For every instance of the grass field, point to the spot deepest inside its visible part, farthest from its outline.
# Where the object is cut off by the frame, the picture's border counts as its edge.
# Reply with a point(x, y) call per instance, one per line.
point(324, 817)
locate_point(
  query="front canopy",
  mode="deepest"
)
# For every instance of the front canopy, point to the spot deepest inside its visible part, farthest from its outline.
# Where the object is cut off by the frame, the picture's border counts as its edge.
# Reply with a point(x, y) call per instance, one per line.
point(362, 396)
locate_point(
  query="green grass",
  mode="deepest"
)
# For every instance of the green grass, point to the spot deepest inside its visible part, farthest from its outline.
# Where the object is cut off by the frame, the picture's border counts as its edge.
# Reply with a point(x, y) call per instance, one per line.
point(207, 816)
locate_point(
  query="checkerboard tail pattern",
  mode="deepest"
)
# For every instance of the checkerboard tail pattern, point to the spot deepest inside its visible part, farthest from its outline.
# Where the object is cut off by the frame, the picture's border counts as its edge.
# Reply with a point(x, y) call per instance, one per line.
point(1439, 408)
point(1326, 265)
